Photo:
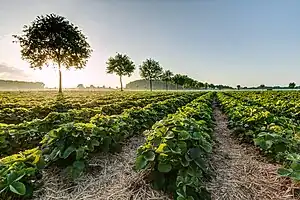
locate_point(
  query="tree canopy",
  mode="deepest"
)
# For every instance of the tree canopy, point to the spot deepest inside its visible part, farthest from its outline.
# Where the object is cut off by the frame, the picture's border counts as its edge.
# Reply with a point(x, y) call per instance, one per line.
point(167, 77)
point(292, 85)
point(120, 65)
point(150, 70)
point(52, 39)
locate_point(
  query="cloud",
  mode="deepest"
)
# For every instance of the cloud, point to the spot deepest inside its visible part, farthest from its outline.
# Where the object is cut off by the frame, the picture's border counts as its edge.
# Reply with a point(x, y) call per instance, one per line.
point(12, 73)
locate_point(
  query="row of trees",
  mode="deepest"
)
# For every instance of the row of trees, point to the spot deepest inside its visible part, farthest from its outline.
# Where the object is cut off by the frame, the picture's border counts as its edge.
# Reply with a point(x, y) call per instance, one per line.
point(291, 85)
point(151, 70)
point(53, 39)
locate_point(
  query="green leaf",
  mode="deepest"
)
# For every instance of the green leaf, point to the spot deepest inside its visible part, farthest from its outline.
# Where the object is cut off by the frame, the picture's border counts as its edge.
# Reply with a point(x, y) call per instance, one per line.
point(194, 153)
point(68, 151)
point(149, 155)
point(183, 135)
point(206, 146)
point(284, 171)
point(184, 162)
point(80, 153)
point(157, 179)
point(187, 157)
point(182, 146)
point(54, 153)
point(170, 135)
point(12, 177)
point(95, 142)
point(295, 176)
point(79, 165)
point(197, 136)
point(140, 162)
point(18, 188)
point(105, 144)
point(161, 147)
point(164, 167)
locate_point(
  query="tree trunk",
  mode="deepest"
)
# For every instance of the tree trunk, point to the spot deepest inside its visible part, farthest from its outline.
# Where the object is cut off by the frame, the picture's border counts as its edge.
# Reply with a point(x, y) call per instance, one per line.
point(176, 86)
point(150, 85)
point(167, 85)
point(60, 85)
point(121, 83)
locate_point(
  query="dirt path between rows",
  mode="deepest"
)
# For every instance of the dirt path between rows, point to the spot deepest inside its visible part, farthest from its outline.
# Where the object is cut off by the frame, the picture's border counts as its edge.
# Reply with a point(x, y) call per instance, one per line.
point(112, 177)
point(241, 173)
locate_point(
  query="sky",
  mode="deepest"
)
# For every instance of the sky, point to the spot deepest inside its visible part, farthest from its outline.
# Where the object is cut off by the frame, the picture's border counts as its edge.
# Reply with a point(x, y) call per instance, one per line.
point(217, 41)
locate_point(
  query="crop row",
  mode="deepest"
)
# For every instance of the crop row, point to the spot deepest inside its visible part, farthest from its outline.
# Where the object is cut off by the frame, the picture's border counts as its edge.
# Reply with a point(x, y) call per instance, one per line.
point(20, 114)
point(277, 136)
point(280, 103)
point(26, 135)
point(26, 98)
point(177, 150)
point(31, 99)
point(72, 144)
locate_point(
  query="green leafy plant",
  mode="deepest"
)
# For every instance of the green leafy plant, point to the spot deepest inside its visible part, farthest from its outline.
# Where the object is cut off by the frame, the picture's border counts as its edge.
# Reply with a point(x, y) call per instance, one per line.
point(177, 150)
point(19, 172)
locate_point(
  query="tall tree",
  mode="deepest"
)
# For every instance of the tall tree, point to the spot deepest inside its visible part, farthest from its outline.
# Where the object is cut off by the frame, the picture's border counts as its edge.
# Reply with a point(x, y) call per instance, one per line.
point(178, 79)
point(188, 82)
point(212, 86)
point(121, 65)
point(206, 85)
point(199, 85)
point(53, 39)
point(238, 87)
point(150, 70)
point(167, 77)
point(292, 85)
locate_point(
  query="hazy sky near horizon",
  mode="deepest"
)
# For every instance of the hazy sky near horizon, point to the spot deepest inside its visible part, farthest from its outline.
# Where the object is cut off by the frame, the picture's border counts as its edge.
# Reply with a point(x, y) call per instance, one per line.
point(219, 41)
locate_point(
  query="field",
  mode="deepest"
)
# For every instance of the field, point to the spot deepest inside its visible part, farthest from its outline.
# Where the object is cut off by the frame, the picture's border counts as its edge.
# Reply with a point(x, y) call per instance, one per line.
point(150, 145)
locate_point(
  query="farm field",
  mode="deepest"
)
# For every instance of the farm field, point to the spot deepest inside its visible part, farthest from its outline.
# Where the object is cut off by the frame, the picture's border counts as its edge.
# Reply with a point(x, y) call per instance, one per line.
point(150, 145)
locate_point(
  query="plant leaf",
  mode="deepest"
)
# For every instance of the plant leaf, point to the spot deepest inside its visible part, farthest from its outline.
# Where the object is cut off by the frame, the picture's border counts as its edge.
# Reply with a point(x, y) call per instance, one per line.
point(140, 162)
point(164, 167)
point(149, 155)
point(79, 153)
point(284, 172)
point(68, 151)
point(194, 153)
point(18, 188)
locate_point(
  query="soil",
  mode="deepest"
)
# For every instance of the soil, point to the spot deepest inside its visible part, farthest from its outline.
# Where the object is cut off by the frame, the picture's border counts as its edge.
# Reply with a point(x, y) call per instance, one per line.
point(241, 172)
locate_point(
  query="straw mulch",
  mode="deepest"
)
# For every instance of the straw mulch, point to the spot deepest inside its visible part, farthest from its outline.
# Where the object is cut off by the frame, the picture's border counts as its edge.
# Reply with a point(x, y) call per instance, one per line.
point(110, 177)
point(241, 173)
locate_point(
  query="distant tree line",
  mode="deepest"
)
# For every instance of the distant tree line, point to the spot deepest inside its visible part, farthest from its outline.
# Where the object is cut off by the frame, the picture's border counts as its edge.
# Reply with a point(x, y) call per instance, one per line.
point(291, 85)
point(151, 71)
point(9, 84)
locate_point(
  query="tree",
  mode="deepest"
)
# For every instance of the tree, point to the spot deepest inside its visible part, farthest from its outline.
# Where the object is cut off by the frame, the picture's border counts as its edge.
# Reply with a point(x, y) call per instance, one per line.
point(238, 87)
point(262, 86)
point(167, 77)
point(188, 82)
point(292, 85)
point(178, 79)
point(212, 86)
point(206, 85)
point(121, 65)
point(150, 70)
point(80, 86)
point(53, 39)
point(199, 85)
